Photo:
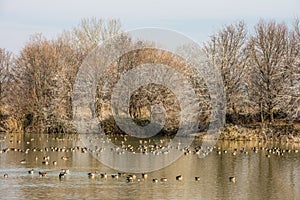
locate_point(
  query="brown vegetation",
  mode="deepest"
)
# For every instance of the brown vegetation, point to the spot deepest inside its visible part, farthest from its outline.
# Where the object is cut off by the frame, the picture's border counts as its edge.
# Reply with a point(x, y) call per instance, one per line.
point(260, 73)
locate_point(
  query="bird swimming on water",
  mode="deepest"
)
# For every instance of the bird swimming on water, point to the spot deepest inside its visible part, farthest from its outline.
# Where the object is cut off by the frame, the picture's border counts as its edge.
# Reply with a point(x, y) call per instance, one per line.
point(179, 178)
point(232, 179)
point(31, 171)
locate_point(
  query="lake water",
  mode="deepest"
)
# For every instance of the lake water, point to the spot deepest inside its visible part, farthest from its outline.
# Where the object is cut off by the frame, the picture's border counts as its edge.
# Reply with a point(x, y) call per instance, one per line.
point(257, 176)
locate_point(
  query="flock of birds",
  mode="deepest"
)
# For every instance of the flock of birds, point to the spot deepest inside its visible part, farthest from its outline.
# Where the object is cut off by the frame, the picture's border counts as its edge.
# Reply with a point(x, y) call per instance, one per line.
point(129, 178)
point(276, 151)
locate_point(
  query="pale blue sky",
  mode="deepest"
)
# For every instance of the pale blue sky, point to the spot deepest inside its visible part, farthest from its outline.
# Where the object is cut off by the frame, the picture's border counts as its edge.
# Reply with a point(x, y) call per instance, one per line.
point(195, 18)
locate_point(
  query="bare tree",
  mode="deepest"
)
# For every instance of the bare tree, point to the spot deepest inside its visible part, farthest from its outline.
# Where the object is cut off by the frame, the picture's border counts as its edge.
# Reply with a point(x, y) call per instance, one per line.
point(46, 72)
point(268, 52)
point(38, 66)
point(90, 33)
point(226, 51)
point(6, 65)
point(293, 61)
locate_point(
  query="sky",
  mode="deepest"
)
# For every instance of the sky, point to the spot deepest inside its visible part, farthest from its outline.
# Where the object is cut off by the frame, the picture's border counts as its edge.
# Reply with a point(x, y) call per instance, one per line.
point(197, 19)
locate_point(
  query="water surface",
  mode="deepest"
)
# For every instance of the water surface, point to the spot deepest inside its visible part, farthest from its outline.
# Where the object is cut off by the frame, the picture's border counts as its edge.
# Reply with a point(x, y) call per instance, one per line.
point(257, 176)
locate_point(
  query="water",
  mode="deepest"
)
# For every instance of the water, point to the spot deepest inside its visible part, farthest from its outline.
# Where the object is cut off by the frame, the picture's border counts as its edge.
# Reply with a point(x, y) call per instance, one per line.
point(257, 176)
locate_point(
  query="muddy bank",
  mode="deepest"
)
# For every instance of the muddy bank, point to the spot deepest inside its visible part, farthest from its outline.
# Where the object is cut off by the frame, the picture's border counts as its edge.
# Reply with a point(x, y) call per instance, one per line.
point(278, 133)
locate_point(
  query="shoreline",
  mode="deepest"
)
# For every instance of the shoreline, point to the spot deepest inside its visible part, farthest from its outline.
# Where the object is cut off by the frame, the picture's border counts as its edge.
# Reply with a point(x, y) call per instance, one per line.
point(240, 133)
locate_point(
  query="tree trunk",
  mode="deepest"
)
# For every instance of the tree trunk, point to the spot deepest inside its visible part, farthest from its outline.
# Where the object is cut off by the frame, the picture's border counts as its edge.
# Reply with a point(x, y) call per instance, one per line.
point(261, 113)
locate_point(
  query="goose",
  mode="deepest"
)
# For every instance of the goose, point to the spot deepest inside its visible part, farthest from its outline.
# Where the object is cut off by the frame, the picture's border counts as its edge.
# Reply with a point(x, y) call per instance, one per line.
point(164, 179)
point(66, 171)
point(133, 176)
point(144, 176)
point(45, 162)
point(23, 162)
point(42, 174)
point(103, 176)
point(115, 176)
point(232, 179)
point(31, 171)
point(179, 178)
point(92, 174)
point(64, 158)
point(61, 175)
point(129, 179)
point(155, 180)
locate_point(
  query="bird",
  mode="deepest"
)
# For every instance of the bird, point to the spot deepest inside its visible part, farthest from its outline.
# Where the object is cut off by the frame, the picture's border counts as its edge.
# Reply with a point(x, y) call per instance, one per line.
point(23, 162)
point(115, 176)
point(155, 180)
point(129, 179)
point(61, 175)
point(132, 175)
point(54, 163)
point(164, 179)
point(42, 174)
point(31, 171)
point(103, 175)
point(232, 179)
point(45, 162)
point(64, 158)
point(144, 176)
point(179, 178)
point(92, 174)
point(197, 178)
point(46, 158)
point(5, 175)
point(66, 171)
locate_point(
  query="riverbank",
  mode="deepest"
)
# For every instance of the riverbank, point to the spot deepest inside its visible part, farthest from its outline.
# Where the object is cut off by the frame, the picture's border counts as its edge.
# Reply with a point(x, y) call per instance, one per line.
point(278, 133)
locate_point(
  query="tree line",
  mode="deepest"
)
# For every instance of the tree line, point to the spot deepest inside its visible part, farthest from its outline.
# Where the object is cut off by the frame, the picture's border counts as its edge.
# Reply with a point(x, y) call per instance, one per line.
point(260, 71)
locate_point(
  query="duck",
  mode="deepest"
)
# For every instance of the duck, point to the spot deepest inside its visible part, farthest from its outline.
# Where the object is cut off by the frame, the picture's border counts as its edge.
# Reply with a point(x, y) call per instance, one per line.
point(31, 171)
point(92, 174)
point(155, 180)
point(115, 176)
point(163, 179)
point(129, 179)
point(121, 174)
point(5, 175)
point(232, 179)
point(179, 178)
point(144, 176)
point(42, 174)
point(46, 158)
point(66, 171)
point(64, 158)
point(61, 175)
point(45, 162)
point(197, 178)
point(54, 163)
point(23, 162)
point(132, 175)
point(103, 175)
